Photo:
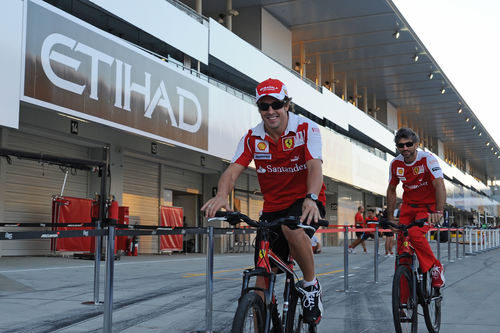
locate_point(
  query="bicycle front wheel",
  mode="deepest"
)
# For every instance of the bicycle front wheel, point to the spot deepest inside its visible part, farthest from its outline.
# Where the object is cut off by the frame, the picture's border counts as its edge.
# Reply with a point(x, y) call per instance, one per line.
point(432, 304)
point(404, 302)
point(250, 315)
point(295, 319)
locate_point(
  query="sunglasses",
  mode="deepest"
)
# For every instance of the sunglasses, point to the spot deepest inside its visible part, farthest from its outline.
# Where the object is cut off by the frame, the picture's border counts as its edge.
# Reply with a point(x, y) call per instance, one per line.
point(407, 144)
point(276, 105)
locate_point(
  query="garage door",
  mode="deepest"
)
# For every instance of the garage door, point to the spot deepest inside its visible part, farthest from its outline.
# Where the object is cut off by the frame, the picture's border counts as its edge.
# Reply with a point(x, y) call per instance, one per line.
point(29, 186)
point(141, 188)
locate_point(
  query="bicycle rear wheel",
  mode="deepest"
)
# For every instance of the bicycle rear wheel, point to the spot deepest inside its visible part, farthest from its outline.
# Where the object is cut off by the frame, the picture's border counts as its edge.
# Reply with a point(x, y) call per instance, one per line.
point(404, 302)
point(431, 303)
point(250, 315)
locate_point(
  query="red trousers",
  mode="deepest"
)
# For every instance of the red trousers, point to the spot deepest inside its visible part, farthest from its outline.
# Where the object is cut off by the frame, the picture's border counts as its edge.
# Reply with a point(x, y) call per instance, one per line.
point(423, 250)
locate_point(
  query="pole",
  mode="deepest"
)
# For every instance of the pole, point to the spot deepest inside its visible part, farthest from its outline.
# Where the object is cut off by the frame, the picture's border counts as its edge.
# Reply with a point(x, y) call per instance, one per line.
point(449, 245)
point(210, 272)
point(438, 238)
point(375, 256)
point(108, 289)
point(102, 212)
point(346, 259)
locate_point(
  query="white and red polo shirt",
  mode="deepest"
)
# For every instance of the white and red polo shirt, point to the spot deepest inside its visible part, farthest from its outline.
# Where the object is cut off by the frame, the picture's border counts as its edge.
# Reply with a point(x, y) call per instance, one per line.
point(281, 167)
point(416, 177)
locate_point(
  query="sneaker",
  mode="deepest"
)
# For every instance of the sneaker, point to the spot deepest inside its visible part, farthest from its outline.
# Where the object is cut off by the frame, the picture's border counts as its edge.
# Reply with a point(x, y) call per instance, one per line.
point(311, 302)
point(364, 251)
point(438, 279)
point(351, 250)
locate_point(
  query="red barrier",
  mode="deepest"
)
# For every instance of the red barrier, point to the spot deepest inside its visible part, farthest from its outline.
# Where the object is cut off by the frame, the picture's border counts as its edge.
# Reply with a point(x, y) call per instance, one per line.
point(171, 217)
point(123, 218)
point(72, 210)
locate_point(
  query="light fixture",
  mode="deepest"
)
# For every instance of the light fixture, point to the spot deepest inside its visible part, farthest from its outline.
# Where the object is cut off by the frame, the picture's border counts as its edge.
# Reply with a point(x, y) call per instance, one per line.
point(480, 133)
point(496, 153)
point(221, 18)
point(459, 110)
point(430, 75)
point(487, 144)
point(396, 34)
point(415, 57)
point(467, 119)
point(474, 127)
point(233, 12)
point(498, 157)
point(442, 91)
point(491, 148)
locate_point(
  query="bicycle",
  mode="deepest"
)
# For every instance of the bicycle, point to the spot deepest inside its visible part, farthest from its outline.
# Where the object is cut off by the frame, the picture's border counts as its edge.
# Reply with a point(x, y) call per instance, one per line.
point(410, 287)
point(253, 313)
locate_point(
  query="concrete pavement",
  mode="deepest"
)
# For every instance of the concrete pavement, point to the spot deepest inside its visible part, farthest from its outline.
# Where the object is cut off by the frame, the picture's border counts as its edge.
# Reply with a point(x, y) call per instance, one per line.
point(167, 293)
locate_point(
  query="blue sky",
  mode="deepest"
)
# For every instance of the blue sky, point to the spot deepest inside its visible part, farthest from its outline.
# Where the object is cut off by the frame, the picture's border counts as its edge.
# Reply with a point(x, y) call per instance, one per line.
point(463, 36)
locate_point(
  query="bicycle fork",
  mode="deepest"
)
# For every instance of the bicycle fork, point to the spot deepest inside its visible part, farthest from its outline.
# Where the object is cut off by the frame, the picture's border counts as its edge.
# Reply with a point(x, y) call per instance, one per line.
point(268, 292)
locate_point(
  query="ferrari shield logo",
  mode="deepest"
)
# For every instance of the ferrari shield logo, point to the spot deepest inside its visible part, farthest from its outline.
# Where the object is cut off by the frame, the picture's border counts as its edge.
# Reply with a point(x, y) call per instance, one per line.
point(288, 143)
point(262, 253)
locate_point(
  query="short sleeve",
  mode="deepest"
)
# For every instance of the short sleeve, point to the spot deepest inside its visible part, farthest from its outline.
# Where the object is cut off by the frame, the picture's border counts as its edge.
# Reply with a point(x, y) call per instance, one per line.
point(243, 153)
point(434, 167)
point(314, 145)
point(393, 179)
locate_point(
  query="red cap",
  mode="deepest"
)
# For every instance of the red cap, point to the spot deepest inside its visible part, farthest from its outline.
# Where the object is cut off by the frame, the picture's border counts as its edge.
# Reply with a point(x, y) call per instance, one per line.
point(271, 87)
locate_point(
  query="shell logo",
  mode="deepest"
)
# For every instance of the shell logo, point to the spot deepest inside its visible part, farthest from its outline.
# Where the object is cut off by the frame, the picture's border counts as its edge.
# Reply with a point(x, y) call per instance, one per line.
point(261, 146)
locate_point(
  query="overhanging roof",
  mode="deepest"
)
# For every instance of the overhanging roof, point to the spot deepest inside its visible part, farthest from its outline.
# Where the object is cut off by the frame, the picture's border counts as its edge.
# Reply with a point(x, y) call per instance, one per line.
point(357, 37)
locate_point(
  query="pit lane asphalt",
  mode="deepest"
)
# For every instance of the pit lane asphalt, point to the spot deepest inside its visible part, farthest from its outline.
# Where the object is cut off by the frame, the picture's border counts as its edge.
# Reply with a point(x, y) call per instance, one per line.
point(167, 293)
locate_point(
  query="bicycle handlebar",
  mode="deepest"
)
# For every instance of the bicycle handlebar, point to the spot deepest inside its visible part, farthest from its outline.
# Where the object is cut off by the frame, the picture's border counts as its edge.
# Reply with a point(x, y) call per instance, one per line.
point(290, 221)
point(403, 227)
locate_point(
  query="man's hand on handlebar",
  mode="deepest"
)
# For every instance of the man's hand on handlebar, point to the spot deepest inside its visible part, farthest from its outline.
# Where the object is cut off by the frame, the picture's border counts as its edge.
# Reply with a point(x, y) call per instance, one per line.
point(435, 217)
point(215, 204)
point(310, 212)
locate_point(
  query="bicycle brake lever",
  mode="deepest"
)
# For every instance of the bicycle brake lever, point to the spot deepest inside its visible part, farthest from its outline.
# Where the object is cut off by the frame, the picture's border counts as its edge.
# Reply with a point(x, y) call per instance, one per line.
point(305, 226)
point(213, 219)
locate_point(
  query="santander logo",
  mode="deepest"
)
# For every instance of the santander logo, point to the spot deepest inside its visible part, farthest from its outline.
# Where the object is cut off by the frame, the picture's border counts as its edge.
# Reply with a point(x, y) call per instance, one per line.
point(261, 170)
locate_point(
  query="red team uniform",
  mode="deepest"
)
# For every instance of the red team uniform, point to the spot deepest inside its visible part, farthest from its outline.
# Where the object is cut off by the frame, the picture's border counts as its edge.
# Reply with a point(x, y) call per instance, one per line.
point(419, 199)
point(281, 167)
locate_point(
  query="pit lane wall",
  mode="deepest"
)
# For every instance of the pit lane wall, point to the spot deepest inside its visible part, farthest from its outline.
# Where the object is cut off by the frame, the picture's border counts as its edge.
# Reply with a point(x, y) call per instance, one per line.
point(71, 67)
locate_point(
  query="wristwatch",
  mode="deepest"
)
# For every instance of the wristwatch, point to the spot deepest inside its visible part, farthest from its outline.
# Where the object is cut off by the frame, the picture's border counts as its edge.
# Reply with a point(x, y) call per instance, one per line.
point(312, 196)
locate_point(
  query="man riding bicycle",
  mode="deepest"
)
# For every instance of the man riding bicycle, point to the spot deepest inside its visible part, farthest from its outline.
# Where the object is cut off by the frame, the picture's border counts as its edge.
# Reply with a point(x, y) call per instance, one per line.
point(286, 149)
point(424, 196)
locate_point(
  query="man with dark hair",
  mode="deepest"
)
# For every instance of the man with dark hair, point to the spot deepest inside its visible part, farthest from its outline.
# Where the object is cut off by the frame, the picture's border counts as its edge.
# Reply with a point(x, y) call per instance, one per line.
point(424, 196)
point(286, 150)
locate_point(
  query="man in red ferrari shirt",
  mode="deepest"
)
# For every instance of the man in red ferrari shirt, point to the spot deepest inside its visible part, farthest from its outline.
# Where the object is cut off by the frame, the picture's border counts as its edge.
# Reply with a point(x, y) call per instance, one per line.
point(424, 196)
point(287, 152)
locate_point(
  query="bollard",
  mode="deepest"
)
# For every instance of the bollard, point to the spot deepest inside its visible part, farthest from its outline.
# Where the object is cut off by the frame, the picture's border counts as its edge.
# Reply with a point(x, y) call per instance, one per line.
point(456, 242)
point(346, 262)
point(449, 245)
point(108, 288)
point(210, 284)
point(438, 237)
point(464, 236)
point(375, 256)
point(475, 237)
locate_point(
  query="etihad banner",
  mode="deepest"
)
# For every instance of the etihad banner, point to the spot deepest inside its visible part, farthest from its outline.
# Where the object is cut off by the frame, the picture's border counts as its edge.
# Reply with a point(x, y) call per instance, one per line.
point(75, 68)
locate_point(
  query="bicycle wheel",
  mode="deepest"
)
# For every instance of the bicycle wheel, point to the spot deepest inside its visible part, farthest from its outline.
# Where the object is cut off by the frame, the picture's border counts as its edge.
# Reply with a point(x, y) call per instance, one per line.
point(431, 303)
point(295, 320)
point(250, 315)
point(404, 303)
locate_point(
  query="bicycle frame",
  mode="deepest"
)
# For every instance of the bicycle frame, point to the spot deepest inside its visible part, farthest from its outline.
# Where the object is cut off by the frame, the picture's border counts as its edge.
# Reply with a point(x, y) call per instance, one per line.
point(263, 268)
point(408, 253)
